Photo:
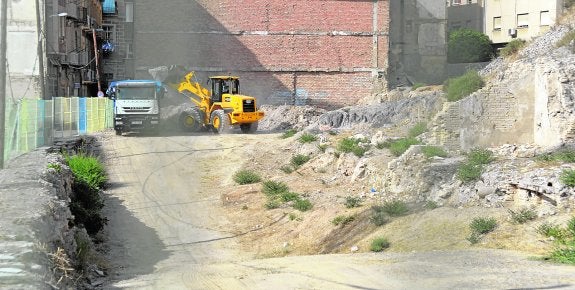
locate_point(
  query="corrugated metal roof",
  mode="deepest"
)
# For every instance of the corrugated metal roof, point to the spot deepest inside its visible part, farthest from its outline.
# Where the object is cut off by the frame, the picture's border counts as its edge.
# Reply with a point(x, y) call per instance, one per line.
point(109, 7)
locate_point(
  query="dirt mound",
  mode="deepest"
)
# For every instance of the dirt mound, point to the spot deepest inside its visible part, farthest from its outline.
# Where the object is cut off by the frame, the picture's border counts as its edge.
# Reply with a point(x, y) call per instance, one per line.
point(279, 118)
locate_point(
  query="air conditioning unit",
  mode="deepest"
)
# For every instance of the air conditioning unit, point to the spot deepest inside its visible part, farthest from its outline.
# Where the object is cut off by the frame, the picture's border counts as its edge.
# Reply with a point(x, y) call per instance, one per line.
point(72, 10)
point(512, 32)
point(73, 58)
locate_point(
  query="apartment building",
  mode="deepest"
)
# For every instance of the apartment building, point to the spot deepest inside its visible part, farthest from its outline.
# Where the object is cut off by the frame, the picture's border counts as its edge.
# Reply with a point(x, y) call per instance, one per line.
point(506, 20)
point(117, 40)
point(73, 33)
point(465, 14)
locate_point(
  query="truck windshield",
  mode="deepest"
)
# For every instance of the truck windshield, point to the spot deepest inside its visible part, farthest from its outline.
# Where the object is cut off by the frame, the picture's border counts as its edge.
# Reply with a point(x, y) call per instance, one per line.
point(132, 93)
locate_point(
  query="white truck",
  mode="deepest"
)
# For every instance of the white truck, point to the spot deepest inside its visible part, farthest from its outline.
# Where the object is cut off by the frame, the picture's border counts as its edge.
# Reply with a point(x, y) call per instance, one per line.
point(136, 105)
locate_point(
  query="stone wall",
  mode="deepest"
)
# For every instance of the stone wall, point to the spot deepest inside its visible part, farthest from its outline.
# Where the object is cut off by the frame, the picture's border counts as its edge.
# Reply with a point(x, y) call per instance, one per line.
point(528, 100)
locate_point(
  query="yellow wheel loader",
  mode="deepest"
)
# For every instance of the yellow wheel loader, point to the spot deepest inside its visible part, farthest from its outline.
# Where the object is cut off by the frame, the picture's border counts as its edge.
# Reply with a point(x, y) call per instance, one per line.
point(221, 108)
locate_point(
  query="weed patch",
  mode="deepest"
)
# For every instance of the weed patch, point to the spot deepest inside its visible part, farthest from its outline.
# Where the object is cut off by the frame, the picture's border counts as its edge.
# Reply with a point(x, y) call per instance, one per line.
point(562, 156)
point(433, 151)
point(342, 220)
point(352, 201)
point(286, 169)
point(431, 205)
point(523, 215)
point(512, 47)
point(460, 87)
point(399, 146)
point(379, 244)
point(289, 133)
point(472, 168)
point(289, 196)
point(394, 208)
point(274, 188)
point(299, 160)
point(417, 86)
point(479, 227)
point(307, 138)
point(246, 177)
point(417, 130)
point(302, 205)
point(567, 177)
point(565, 40)
point(352, 145)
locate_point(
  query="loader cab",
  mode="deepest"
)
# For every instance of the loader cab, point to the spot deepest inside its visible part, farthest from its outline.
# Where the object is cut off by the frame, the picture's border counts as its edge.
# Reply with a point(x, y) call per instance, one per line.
point(224, 85)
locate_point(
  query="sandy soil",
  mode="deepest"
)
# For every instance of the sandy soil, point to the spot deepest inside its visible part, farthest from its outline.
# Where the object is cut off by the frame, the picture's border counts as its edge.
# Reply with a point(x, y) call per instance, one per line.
point(177, 221)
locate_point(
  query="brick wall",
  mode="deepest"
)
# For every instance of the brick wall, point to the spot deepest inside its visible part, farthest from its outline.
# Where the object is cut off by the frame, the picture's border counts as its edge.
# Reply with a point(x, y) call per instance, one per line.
point(305, 52)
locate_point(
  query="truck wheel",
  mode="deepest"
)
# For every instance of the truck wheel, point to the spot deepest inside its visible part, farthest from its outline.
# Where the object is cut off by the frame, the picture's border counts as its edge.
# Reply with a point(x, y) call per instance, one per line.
point(220, 122)
point(191, 120)
point(249, 128)
point(119, 132)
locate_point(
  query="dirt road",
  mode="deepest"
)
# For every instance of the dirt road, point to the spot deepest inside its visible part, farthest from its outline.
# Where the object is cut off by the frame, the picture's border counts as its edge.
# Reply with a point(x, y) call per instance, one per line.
point(167, 230)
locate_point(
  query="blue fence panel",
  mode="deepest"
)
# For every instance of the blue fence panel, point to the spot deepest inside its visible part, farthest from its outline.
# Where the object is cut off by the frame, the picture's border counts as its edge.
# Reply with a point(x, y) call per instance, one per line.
point(83, 119)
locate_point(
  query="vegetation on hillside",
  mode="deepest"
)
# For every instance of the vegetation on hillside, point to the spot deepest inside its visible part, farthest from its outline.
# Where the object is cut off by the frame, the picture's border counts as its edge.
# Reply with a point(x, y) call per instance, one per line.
point(466, 45)
point(460, 87)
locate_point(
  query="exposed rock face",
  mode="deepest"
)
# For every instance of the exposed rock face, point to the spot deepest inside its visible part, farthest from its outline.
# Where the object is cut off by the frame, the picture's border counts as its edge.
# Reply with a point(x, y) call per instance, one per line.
point(419, 106)
point(278, 118)
point(528, 100)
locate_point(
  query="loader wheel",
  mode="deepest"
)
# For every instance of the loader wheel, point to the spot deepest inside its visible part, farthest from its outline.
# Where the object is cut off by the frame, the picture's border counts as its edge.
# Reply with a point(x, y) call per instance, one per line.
point(191, 120)
point(220, 122)
point(249, 128)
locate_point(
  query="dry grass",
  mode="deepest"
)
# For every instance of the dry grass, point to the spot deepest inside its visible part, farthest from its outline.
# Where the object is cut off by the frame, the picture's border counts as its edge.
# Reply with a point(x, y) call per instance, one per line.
point(61, 266)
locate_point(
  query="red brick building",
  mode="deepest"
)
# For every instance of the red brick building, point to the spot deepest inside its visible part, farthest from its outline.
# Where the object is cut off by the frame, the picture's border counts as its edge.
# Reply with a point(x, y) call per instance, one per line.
point(321, 52)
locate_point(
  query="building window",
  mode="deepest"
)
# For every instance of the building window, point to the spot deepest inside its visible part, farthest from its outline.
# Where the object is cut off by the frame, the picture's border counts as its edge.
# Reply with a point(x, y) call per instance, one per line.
point(497, 23)
point(456, 2)
point(545, 18)
point(109, 32)
point(129, 12)
point(523, 20)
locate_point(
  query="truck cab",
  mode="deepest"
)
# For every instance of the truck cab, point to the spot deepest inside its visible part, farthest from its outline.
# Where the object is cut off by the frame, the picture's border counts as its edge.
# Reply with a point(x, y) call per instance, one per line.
point(136, 105)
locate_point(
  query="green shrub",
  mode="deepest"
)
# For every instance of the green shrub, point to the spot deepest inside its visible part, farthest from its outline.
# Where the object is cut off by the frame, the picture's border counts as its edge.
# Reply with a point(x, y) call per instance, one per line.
point(553, 231)
point(379, 218)
point(432, 151)
point(302, 205)
point(472, 168)
point(566, 39)
point(466, 45)
point(307, 138)
point(567, 177)
point(483, 225)
point(383, 145)
point(463, 86)
point(246, 177)
point(417, 130)
point(417, 86)
point(480, 156)
point(274, 188)
point(352, 145)
point(522, 216)
point(289, 196)
point(322, 147)
point(286, 169)
point(571, 227)
point(512, 47)
point(469, 172)
point(431, 205)
point(564, 255)
point(292, 216)
point(289, 133)
point(474, 238)
point(394, 208)
point(87, 170)
point(343, 220)
point(379, 244)
point(352, 201)
point(299, 160)
point(399, 146)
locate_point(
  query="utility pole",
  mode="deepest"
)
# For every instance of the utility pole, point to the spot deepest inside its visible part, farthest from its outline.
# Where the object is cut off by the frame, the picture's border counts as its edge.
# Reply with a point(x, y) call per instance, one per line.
point(3, 47)
point(40, 51)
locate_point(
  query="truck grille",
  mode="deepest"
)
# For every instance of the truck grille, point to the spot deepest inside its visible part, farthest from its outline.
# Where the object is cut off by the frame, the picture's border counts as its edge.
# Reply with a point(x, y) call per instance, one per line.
point(249, 106)
point(136, 109)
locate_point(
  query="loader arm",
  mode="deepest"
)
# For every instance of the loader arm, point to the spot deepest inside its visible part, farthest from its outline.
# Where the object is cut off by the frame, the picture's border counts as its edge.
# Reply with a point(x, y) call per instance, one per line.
point(193, 90)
